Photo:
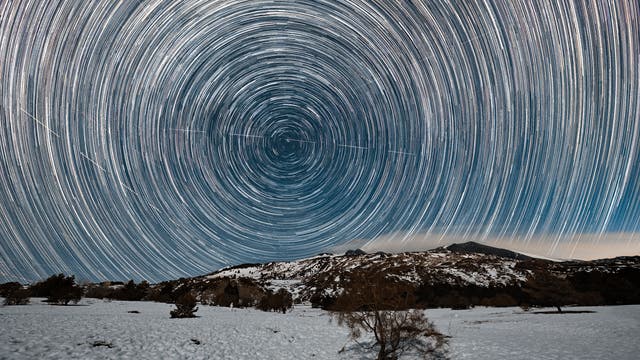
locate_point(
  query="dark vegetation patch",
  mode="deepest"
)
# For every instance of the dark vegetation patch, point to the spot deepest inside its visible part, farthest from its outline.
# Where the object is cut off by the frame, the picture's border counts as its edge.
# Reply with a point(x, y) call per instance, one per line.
point(102, 343)
point(545, 287)
point(14, 294)
point(129, 291)
point(279, 301)
point(185, 307)
point(58, 289)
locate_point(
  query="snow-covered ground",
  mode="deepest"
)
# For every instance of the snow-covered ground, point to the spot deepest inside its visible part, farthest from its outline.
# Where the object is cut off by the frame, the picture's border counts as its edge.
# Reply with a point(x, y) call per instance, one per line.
point(38, 331)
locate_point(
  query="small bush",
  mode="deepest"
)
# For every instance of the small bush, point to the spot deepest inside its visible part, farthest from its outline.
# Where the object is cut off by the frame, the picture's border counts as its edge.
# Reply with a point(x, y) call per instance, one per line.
point(127, 292)
point(322, 301)
point(58, 289)
point(98, 291)
point(19, 296)
point(230, 297)
point(9, 287)
point(185, 307)
point(164, 292)
point(282, 300)
point(131, 291)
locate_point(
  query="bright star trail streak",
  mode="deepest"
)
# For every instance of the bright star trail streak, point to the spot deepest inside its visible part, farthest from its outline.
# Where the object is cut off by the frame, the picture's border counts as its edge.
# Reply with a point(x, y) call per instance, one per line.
point(157, 139)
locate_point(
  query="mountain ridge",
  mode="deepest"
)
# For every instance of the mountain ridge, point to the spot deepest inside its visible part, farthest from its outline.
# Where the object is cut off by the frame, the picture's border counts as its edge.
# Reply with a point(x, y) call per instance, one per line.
point(459, 265)
point(458, 276)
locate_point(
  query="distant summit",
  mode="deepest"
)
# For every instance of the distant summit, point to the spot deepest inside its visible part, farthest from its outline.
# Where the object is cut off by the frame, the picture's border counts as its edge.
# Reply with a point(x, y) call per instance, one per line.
point(476, 248)
point(356, 252)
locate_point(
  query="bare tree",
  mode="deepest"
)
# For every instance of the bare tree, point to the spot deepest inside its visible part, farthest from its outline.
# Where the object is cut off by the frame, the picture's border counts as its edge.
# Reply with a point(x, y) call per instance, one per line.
point(375, 306)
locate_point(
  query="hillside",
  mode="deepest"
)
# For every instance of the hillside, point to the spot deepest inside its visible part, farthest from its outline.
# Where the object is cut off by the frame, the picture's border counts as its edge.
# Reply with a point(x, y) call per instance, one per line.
point(472, 272)
point(303, 278)
point(459, 276)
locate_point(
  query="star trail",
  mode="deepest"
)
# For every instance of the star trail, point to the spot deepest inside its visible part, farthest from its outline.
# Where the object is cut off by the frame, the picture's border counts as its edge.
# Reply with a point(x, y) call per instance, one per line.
point(155, 139)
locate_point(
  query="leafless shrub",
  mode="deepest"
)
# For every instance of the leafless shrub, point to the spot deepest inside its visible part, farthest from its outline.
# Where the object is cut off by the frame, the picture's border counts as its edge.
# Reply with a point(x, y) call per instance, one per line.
point(367, 307)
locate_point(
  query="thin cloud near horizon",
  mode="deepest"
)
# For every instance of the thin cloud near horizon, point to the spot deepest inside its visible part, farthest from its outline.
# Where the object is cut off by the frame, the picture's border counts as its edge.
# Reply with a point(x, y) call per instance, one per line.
point(577, 247)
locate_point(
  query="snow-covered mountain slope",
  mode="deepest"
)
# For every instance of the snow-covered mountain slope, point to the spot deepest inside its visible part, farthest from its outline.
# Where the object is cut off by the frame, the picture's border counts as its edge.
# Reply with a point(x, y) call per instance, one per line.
point(303, 277)
point(459, 265)
point(478, 269)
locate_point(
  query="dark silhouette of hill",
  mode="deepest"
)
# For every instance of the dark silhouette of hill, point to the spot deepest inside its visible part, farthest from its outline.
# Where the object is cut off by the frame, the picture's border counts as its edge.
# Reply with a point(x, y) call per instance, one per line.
point(476, 248)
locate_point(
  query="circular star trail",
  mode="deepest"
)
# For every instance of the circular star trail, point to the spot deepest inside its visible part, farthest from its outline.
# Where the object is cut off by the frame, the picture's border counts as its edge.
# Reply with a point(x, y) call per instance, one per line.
point(156, 139)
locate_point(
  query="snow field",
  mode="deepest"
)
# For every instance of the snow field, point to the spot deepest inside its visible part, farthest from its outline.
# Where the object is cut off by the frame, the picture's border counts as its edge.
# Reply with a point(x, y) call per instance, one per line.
point(97, 329)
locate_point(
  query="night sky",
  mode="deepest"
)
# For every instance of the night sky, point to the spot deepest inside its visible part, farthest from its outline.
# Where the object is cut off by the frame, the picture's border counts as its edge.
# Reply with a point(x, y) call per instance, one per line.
point(155, 139)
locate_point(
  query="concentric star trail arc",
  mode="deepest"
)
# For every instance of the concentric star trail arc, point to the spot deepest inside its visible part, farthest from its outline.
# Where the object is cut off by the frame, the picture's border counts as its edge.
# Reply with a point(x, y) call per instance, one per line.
point(155, 139)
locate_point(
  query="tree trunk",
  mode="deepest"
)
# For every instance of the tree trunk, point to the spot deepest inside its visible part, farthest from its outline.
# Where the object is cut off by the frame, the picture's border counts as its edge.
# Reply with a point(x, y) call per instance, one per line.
point(559, 310)
point(382, 353)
